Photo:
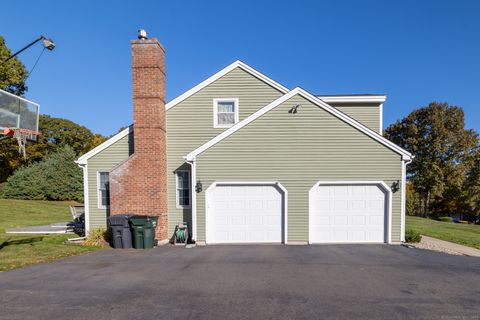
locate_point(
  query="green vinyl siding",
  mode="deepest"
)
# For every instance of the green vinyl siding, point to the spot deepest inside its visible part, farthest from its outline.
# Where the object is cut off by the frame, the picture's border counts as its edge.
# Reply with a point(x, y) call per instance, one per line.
point(190, 124)
point(366, 114)
point(103, 161)
point(298, 150)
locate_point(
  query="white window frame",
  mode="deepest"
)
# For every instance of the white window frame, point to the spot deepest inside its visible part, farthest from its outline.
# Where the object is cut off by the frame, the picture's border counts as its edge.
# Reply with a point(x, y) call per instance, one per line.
point(99, 194)
point(215, 111)
point(178, 205)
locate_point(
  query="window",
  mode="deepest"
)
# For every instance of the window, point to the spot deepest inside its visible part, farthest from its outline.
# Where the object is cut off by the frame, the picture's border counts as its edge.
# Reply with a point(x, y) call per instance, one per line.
point(103, 190)
point(225, 112)
point(183, 189)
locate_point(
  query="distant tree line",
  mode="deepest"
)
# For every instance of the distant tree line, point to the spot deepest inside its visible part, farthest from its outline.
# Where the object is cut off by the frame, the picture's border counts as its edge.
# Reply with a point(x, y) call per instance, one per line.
point(444, 176)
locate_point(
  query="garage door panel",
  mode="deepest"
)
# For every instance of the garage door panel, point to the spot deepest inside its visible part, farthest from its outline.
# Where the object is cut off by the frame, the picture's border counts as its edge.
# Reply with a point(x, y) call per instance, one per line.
point(358, 235)
point(244, 214)
point(238, 220)
point(348, 213)
point(358, 204)
point(358, 220)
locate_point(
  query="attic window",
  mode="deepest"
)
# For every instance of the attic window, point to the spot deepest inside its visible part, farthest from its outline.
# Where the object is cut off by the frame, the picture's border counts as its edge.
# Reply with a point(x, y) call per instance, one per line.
point(225, 112)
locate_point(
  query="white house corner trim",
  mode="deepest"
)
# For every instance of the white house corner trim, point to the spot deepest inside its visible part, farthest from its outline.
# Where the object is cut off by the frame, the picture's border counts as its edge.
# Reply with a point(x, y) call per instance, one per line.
point(380, 129)
point(86, 198)
point(193, 192)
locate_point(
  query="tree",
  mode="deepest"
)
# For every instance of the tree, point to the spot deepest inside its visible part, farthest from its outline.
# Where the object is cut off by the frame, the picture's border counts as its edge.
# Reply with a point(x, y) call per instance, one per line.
point(471, 196)
point(57, 177)
point(58, 132)
point(444, 151)
point(12, 73)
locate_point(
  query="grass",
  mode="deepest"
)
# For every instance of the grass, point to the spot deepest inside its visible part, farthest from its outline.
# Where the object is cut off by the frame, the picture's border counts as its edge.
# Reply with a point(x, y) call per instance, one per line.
point(19, 250)
point(466, 234)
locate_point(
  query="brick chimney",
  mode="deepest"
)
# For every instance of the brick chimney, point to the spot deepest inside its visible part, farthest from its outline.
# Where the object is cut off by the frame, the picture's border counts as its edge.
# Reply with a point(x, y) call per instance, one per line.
point(139, 185)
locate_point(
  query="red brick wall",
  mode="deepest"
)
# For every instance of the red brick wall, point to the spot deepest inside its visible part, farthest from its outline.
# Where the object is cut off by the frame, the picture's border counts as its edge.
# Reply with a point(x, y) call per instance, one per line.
point(139, 185)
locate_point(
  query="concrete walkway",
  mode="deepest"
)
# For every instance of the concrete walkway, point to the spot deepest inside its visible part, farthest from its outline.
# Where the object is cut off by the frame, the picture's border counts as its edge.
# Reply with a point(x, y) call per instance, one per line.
point(60, 227)
point(445, 246)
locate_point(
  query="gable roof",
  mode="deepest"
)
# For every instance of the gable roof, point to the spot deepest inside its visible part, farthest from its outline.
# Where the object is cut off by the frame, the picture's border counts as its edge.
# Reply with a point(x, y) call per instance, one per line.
point(299, 91)
point(221, 73)
point(83, 159)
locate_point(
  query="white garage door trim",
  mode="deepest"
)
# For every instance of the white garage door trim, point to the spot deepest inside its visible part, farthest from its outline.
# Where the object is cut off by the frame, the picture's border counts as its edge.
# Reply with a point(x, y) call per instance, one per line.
point(247, 183)
point(381, 184)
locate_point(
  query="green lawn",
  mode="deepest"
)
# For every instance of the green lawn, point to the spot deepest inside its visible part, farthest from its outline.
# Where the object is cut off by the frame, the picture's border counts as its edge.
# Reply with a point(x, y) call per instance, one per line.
point(466, 234)
point(19, 250)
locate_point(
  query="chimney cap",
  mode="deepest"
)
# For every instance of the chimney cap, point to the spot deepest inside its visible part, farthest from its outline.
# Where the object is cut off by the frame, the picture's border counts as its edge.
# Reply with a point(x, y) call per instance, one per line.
point(142, 34)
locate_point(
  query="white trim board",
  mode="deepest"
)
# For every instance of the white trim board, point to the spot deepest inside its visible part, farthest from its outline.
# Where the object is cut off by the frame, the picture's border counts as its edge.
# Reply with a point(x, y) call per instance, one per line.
point(299, 91)
point(221, 73)
point(193, 179)
point(382, 184)
point(86, 199)
point(256, 183)
point(83, 159)
point(354, 99)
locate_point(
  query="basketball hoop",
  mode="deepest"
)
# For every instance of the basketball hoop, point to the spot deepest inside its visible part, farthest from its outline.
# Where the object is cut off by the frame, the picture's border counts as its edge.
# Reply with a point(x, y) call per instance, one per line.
point(18, 119)
point(22, 135)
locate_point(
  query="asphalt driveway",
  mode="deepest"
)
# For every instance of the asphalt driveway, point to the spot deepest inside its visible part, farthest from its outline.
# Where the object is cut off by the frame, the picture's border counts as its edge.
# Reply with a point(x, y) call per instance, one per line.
point(247, 282)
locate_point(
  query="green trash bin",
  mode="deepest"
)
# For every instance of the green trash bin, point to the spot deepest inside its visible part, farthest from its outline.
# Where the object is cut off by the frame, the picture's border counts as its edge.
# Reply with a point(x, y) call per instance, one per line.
point(143, 228)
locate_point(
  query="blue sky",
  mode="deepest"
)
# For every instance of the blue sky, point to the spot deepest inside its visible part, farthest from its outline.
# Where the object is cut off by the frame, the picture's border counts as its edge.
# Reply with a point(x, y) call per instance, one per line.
point(413, 51)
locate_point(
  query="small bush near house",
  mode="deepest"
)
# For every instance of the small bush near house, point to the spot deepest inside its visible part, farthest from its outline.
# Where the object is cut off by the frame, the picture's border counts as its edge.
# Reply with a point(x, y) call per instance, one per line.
point(412, 236)
point(445, 219)
point(98, 238)
point(463, 221)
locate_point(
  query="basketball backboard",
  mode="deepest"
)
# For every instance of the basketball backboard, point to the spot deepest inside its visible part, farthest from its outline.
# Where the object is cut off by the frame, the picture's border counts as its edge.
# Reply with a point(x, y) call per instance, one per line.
point(18, 113)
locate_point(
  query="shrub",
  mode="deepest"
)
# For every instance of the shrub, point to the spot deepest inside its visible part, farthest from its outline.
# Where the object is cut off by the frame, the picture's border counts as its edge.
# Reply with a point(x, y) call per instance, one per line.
point(412, 236)
point(56, 177)
point(463, 221)
point(97, 237)
point(445, 219)
point(413, 201)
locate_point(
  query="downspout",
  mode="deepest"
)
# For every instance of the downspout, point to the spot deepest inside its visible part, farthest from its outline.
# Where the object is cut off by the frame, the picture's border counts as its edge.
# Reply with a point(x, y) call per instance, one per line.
point(404, 197)
point(84, 167)
point(193, 180)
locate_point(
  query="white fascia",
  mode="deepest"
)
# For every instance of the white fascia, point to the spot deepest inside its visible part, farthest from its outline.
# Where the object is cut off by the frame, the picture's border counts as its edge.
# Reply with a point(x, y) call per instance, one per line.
point(299, 91)
point(221, 73)
point(354, 99)
point(83, 159)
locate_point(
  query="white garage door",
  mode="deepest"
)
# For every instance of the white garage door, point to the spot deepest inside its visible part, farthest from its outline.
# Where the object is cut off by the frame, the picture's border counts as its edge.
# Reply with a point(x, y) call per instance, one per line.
point(244, 214)
point(348, 213)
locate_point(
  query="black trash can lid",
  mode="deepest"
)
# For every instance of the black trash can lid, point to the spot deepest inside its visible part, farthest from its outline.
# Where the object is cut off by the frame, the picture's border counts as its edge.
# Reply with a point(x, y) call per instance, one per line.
point(118, 220)
point(138, 220)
